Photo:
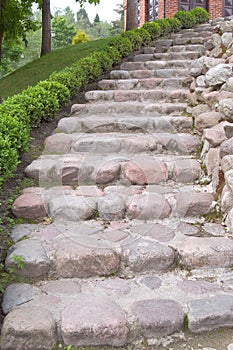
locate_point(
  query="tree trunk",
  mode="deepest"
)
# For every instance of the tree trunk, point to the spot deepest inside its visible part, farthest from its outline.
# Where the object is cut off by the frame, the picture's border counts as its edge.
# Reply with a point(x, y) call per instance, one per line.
point(131, 17)
point(1, 28)
point(46, 28)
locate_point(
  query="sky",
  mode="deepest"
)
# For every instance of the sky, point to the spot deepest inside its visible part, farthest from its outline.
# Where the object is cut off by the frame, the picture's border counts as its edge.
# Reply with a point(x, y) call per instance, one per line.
point(105, 9)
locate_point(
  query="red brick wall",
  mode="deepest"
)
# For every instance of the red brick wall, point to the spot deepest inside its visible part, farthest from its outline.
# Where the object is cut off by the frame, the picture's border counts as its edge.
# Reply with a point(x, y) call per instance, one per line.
point(215, 8)
point(171, 7)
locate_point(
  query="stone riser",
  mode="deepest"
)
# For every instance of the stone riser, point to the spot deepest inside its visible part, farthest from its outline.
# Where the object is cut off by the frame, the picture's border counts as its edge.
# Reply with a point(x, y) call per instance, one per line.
point(125, 144)
point(144, 61)
point(173, 58)
point(170, 95)
point(143, 74)
point(152, 83)
point(141, 307)
point(155, 202)
point(128, 108)
point(177, 48)
point(127, 124)
point(74, 169)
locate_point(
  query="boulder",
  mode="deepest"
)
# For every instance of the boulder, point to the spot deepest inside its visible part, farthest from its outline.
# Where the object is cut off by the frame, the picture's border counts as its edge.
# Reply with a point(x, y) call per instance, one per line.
point(218, 74)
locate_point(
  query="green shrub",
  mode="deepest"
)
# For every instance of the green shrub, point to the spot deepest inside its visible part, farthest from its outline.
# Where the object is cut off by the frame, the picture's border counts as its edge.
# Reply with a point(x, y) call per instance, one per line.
point(144, 35)
point(91, 67)
point(40, 105)
point(80, 37)
point(153, 29)
point(58, 90)
point(123, 45)
point(8, 158)
point(134, 38)
point(113, 53)
point(13, 107)
point(164, 26)
point(17, 130)
point(187, 19)
point(175, 24)
point(67, 78)
point(104, 60)
point(200, 14)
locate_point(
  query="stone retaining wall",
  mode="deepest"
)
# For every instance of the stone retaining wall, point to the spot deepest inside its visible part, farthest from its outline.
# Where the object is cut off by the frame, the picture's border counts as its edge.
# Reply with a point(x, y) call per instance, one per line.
point(211, 98)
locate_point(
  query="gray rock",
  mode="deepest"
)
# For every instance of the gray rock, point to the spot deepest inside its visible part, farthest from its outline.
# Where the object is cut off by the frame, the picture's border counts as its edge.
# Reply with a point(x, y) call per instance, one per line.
point(207, 120)
point(226, 199)
point(158, 317)
point(204, 252)
point(94, 321)
point(226, 107)
point(35, 260)
point(214, 229)
point(158, 232)
point(151, 282)
point(216, 135)
point(17, 294)
point(218, 74)
point(111, 207)
point(227, 163)
point(23, 230)
point(226, 147)
point(229, 130)
point(72, 208)
point(201, 81)
point(230, 347)
point(193, 203)
point(148, 206)
point(217, 52)
point(146, 256)
point(228, 86)
point(211, 313)
point(229, 220)
point(28, 328)
point(216, 38)
point(84, 257)
point(229, 178)
point(227, 39)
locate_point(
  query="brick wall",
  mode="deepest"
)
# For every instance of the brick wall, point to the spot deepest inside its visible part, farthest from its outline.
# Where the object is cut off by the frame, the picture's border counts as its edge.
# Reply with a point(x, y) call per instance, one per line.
point(171, 7)
point(214, 8)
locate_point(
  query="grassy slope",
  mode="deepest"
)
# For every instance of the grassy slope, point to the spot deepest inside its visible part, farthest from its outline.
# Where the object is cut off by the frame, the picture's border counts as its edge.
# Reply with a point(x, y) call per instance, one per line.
point(41, 68)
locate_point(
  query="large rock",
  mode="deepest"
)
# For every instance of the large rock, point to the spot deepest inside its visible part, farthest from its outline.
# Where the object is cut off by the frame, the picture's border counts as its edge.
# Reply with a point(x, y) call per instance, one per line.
point(228, 86)
point(147, 172)
point(75, 256)
point(145, 256)
point(58, 143)
point(226, 107)
point(111, 207)
point(207, 120)
point(35, 260)
point(201, 65)
point(18, 294)
point(227, 39)
point(28, 328)
point(218, 74)
point(94, 321)
point(216, 135)
point(226, 199)
point(158, 317)
point(148, 206)
point(72, 208)
point(29, 206)
point(226, 148)
point(193, 203)
point(211, 313)
point(229, 178)
point(196, 252)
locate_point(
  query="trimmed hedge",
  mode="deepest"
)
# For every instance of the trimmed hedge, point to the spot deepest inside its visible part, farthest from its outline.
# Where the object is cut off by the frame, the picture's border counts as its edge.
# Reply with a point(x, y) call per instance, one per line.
point(20, 113)
point(200, 14)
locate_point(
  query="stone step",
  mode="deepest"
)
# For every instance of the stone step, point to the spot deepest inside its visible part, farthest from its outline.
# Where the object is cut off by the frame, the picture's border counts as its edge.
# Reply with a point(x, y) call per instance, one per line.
point(167, 55)
point(149, 73)
point(128, 108)
point(148, 83)
point(191, 34)
point(107, 143)
point(109, 123)
point(152, 202)
point(179, 95)
point(80, 313)
point(192, 40)
point(176, 48)
point(89, 169)
point(97, 248)
point(146, 61)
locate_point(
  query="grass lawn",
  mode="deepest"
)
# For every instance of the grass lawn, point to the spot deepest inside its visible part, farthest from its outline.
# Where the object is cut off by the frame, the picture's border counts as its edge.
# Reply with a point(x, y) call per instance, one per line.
point(41, 68)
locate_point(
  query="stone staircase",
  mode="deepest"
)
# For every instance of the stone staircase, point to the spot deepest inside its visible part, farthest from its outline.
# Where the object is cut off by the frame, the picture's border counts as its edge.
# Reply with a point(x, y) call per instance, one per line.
point(122, 253)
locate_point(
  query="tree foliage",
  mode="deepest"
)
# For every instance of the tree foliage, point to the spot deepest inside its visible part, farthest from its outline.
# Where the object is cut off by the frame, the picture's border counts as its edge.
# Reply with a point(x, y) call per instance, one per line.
point(63, 32)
